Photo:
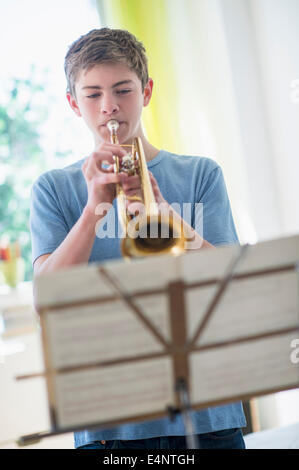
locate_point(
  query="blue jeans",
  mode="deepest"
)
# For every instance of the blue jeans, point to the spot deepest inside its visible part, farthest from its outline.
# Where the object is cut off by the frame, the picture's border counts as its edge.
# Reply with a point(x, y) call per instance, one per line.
point(225, 439)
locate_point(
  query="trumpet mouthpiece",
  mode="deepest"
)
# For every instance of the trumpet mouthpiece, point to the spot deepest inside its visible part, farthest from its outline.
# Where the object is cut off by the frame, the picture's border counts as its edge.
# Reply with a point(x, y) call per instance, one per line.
point(112, 125)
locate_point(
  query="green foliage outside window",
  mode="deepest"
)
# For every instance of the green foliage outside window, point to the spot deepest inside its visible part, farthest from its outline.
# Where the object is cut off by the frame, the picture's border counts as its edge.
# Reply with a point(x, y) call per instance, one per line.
point(22, 117)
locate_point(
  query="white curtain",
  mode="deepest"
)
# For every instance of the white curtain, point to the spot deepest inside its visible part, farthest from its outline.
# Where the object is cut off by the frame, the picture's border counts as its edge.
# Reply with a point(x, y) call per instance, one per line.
point(237, 61)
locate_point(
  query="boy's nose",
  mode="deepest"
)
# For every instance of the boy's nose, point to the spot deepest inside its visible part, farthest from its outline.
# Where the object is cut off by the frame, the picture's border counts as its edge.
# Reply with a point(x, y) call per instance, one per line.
point(109, 107)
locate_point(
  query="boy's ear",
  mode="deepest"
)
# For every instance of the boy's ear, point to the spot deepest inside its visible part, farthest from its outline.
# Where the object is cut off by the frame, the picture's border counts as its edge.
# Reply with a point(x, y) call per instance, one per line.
point(147, 93)
point(73, 104)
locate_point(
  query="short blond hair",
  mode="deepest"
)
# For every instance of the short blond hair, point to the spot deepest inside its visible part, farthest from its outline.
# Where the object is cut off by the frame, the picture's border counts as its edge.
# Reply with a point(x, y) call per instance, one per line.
point(105, 45)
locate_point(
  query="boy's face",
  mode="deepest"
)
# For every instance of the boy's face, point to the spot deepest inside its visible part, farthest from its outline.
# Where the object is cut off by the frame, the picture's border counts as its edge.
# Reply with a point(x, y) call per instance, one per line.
point(110, 91)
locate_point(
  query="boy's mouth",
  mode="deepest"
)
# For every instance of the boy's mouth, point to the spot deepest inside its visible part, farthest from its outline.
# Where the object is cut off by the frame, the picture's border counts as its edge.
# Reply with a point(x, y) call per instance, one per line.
point(105, 123)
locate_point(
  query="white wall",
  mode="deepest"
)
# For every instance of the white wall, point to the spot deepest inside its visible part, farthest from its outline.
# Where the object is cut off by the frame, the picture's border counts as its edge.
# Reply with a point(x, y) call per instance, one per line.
point(276, 24)
point(263, 38)
point(247, 80)
point(236, 61)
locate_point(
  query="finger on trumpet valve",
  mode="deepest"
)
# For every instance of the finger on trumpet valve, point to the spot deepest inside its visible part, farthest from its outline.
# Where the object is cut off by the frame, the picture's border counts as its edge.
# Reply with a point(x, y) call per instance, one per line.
point(127, 164)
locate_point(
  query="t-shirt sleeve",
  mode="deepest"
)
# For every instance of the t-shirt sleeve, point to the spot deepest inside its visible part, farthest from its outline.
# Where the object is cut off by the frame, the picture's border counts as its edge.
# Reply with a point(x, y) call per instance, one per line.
point(218, 224)
point(47, 224)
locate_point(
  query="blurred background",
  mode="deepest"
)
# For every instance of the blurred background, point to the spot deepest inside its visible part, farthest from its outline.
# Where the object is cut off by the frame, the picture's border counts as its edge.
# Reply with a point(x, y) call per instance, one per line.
point(226, 86)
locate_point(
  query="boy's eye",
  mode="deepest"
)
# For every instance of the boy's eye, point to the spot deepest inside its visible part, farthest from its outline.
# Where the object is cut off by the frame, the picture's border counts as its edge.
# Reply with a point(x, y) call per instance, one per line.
point(119, 92)
point(123, 92)
point(94, 95)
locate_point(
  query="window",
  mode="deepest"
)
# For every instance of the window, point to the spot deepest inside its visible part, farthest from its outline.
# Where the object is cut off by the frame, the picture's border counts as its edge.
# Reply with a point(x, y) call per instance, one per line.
point(38, 130)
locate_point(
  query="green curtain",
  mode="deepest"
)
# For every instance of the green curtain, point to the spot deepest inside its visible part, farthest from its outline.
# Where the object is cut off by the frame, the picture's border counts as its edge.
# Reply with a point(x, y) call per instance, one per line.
point(147, 20)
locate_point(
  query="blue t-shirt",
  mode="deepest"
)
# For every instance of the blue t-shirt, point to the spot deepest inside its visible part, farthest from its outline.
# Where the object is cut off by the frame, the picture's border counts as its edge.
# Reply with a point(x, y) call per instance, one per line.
point(58, 199)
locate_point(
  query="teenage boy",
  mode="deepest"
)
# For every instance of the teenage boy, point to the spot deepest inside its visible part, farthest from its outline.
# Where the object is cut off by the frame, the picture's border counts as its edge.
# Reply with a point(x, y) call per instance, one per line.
point(107, 78)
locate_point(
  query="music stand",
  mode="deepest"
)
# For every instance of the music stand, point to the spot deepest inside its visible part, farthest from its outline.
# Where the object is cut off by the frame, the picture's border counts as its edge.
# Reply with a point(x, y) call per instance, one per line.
point(177, 327)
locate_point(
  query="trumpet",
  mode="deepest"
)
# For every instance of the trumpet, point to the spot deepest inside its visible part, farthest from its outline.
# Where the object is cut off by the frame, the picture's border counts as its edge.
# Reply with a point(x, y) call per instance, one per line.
point(151, 232)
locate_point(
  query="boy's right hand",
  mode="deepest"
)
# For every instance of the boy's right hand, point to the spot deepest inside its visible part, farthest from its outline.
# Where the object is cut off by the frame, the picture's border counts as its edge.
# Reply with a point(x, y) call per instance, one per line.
point(101, 181)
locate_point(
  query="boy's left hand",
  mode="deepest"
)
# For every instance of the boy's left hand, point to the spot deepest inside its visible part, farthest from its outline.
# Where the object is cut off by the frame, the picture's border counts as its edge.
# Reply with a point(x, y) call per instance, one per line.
point(157, 193)
point(132, 187)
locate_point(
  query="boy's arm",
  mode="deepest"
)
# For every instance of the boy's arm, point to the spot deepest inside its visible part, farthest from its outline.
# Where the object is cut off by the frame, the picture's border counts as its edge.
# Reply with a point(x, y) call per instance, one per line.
point(54, 245)
point(75, 248)
point(218, 225)
point(194, 240)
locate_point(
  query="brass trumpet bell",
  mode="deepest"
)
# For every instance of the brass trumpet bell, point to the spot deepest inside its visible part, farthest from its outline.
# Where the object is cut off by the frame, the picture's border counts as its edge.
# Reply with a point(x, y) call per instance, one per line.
point(173, 243)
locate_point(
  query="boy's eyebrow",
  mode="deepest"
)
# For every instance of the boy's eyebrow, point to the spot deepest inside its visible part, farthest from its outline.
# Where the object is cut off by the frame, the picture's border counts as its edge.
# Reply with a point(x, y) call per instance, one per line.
point(122, 82)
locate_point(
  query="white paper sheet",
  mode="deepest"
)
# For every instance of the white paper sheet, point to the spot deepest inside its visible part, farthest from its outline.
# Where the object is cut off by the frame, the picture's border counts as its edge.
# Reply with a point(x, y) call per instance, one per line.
point(249, 306)
point(110, 393)
point(94, 333)
point(143, 274)
point(199, 265)
point(71, 285)
point(246, 368)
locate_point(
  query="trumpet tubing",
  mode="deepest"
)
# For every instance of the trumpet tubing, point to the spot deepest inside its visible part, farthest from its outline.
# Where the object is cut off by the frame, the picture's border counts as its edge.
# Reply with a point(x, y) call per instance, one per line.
point(155, 233)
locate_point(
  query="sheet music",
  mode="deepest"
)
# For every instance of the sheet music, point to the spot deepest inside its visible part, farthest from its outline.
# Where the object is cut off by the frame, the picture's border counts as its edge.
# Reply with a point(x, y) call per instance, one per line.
point(83, 282)
point(147, 273)
point(249, 306)
point(243, 369)
point(155, 307)
point(270, 253)
point(209, 264)
point(71, 285)
point(110, 393)
point(93, 333)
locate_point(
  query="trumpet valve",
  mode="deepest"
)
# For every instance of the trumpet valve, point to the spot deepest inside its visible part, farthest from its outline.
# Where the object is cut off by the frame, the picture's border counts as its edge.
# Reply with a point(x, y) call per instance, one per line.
point(127, 165)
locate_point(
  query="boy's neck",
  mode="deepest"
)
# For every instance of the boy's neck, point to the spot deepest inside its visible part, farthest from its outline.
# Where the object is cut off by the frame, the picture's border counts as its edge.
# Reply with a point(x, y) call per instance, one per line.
point(149, 150)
